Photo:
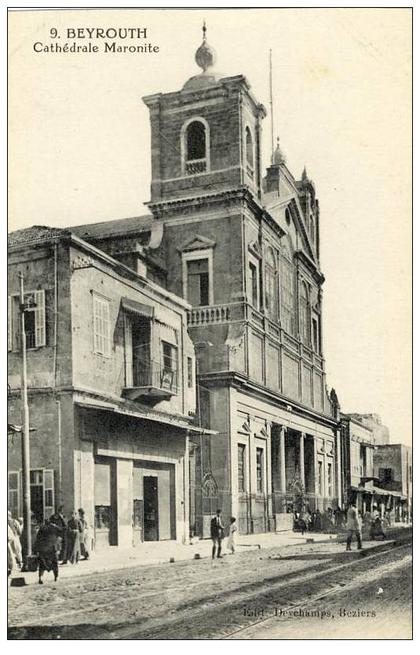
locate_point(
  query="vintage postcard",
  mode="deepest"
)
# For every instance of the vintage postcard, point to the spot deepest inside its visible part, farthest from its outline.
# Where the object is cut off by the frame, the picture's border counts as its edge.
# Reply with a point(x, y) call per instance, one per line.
point(209, 323)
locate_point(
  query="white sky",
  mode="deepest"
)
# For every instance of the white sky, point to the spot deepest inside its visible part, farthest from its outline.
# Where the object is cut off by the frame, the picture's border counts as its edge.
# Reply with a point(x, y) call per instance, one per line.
point(80, 152)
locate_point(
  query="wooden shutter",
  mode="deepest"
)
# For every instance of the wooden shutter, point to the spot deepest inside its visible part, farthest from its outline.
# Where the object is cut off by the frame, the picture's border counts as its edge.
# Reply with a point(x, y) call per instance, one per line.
point(48, 482)
point(14, 493)
point(40, 333)
point(128, 346)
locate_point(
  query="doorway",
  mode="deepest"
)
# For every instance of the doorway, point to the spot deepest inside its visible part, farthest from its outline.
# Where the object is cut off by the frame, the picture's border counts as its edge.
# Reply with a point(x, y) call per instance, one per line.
point(151, 508)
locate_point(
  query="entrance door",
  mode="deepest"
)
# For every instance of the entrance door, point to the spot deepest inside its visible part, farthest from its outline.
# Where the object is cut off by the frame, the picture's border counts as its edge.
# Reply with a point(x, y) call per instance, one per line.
point(151, 508)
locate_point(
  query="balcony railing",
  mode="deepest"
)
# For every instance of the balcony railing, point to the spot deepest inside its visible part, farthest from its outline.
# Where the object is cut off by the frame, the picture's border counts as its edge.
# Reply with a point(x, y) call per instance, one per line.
point(152, 381)
point(210, 314)
point(196, 166)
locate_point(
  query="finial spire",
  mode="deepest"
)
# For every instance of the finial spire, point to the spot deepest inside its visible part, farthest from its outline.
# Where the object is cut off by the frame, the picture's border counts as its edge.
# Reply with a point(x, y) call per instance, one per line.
point(205, 56)
point(304, 173)
point(278, 157)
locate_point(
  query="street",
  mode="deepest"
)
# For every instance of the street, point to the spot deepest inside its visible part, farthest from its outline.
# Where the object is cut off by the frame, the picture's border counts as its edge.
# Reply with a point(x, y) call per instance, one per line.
point(302, 591)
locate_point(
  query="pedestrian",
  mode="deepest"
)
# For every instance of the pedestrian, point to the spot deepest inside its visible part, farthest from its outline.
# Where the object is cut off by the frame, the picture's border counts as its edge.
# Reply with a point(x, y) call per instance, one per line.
point(233, 528)
point(11, 563)
point(85, 536)
point(367, 522)
point(353, 526)
point(17, 542)
point(217, 533)
point(59, 520)
point(45, 547)
point(376, 528)
point(15, 545)
point(74, 531)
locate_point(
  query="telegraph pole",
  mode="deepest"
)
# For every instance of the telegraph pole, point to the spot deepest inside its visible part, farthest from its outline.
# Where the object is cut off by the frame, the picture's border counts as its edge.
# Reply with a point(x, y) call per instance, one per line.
point(25, 429)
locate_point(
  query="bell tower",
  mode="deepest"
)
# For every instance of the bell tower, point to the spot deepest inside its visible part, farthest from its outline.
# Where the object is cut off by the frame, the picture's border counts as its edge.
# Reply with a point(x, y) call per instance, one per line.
point(206, 138)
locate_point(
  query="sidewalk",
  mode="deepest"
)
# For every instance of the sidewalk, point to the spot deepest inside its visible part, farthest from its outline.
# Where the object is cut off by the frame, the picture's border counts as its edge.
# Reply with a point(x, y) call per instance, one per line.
point(160, 552)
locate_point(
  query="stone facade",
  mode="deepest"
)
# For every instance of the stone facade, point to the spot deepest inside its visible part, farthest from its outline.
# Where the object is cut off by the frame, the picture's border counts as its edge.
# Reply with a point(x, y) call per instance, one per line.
point(243, 248)
point(111, 383)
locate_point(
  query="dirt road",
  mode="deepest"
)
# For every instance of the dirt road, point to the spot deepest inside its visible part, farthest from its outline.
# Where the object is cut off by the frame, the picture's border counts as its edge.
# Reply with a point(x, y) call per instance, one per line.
point(221, 599)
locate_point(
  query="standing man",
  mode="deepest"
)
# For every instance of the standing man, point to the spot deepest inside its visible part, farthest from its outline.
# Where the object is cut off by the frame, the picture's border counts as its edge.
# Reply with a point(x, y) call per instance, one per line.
point(353, 526)
point(216, 533)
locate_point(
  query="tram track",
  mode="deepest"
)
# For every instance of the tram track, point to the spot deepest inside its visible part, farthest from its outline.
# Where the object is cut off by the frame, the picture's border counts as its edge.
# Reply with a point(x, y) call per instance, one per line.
point(170, 613)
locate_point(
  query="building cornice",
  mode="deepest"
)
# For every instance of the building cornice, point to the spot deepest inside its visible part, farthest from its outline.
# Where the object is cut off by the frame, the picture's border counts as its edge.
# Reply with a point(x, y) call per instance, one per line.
point(253, 389)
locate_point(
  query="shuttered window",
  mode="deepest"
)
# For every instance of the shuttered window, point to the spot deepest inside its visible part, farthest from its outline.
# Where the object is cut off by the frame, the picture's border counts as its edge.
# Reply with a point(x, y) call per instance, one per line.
point(48, 493)
point(101, 326)
point(13, 493)
point(35, 327)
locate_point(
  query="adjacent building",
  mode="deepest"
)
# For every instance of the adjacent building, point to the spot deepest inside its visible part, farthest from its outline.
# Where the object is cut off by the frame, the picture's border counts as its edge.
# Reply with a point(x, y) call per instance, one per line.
point(111, 383)
point(374, 423)
point(357, 469)
point(393, 471)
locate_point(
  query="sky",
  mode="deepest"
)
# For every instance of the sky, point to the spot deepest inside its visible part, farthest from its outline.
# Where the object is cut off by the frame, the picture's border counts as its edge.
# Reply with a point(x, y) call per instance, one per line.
point(79, 151)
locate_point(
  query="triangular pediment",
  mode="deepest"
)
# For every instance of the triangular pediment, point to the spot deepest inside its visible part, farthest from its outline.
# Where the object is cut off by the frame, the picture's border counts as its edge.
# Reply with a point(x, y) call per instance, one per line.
point(197, 242)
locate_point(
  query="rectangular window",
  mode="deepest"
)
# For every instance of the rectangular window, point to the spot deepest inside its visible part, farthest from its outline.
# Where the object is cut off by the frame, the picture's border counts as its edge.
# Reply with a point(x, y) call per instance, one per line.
point(101, 326)
point(190, 372)
point(198, 282)
point(13, 493)
point(169, 365)
point(330, 479)
point(320, 478)
point(260, 470)
point(253, 284)
point(241, 468)
point(35, 327)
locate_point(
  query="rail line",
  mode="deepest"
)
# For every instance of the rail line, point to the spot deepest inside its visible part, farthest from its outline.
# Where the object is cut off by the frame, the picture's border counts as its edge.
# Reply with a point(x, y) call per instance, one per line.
point(321, 595)
point(212, 603)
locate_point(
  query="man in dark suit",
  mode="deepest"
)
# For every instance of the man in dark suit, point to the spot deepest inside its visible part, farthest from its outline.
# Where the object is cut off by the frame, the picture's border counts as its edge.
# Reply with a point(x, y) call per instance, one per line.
point(216, 533)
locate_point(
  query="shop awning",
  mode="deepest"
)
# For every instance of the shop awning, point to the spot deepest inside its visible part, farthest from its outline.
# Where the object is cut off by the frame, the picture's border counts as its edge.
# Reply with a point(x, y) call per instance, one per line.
point(146, 311)
point(117, 408)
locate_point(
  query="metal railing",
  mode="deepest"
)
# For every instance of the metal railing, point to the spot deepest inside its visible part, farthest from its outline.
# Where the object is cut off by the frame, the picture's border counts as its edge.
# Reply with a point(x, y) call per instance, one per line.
point(195, 166)
point(153, 374)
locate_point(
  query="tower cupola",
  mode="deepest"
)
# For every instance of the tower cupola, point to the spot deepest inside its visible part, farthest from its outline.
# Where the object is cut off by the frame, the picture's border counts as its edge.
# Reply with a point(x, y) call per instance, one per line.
point(205, 58)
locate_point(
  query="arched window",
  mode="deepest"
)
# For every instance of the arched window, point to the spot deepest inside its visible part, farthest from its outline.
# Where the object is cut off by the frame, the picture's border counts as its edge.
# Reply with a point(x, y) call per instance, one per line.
point(271, 285)
point(287, 307)
point(195, 146)
point(196, 141)
point(249, 149)
point(304, 314)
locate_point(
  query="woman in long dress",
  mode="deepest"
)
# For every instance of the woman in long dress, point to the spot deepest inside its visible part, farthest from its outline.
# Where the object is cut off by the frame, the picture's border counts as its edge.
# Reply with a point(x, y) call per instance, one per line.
point(233, 528)
point(85, 536)
point(74, 531)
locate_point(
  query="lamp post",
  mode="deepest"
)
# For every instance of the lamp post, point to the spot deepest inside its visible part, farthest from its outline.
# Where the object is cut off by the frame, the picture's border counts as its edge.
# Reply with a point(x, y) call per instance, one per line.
point(25, 430)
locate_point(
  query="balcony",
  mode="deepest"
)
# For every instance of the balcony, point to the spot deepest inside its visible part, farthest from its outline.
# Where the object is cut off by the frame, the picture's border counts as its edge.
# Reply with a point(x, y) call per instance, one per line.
point(151, 382)
point(195, 166)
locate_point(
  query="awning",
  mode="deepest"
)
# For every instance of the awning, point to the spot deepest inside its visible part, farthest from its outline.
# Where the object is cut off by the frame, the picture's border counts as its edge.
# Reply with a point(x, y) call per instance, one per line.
point(146, 416)
point(387, 492)
point(146, 311)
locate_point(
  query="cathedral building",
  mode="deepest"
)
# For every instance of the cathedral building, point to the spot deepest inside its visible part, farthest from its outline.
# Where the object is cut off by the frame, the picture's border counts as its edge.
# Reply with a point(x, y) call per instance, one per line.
point(241, 244)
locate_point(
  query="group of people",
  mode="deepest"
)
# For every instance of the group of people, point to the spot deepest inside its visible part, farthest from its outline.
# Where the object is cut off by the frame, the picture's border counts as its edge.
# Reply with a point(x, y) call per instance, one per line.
point(57, 540)
point(217, 533)
point(318, 521)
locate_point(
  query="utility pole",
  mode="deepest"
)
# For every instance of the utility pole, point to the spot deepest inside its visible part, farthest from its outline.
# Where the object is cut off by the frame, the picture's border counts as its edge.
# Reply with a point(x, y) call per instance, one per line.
point(25, 429)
